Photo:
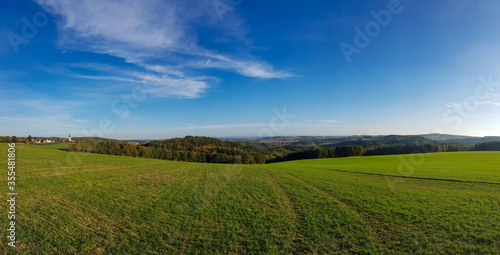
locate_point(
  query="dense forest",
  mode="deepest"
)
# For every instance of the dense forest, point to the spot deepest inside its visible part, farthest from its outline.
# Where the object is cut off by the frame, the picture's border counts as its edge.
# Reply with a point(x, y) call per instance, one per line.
point(487, 146)
point(210, 150)
point(415, 148)
point(337, 152)
point(189, 148)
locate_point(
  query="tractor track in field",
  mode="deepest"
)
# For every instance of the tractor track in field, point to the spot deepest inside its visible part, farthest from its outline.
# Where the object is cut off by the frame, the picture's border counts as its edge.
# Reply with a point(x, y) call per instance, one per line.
point(406, 177)
point(343, 204)
point(297, 217)
point(378, 227)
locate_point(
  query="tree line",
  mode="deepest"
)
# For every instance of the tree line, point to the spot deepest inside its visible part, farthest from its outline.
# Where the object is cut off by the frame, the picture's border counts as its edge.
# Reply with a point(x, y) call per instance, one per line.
point(13, 139)
point(337, 152)
point(487, 146)
point(191, 149)
point(28, 140)
point(415, 148)
point(209, 150)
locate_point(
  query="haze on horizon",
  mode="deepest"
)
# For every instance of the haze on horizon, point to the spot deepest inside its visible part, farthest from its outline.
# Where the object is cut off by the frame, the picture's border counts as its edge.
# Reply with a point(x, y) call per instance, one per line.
point(161, 69)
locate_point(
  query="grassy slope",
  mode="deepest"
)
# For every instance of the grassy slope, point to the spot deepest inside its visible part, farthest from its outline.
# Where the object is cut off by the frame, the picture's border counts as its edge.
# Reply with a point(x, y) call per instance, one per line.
point(91, 204)
point(465, 166)
point(57, 146)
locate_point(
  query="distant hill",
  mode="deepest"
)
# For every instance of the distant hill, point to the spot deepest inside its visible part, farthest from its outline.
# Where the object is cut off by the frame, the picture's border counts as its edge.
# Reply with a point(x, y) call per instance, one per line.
point(334, 141)
point(471, 141)
point(461, 140)
point(99, 139)
point(442, 137)
point(378, 141)
point(292, 142)
point(210, 150)
point(139, 141)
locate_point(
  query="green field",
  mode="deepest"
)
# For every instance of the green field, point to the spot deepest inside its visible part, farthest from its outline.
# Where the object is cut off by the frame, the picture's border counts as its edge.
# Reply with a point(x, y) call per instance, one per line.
point(76, 203)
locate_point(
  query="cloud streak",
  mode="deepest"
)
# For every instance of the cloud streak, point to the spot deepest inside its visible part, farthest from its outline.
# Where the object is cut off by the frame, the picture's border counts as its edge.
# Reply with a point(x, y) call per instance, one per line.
point(459, 105)
point(159, 39)
point(329, 121)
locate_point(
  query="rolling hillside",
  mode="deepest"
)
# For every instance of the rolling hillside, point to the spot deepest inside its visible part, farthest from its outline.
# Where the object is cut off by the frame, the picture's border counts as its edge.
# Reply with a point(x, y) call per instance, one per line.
point(80, 203)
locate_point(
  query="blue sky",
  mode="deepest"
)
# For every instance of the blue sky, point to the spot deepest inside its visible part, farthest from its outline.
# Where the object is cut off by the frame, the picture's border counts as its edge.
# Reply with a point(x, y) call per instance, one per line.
point(159, 69)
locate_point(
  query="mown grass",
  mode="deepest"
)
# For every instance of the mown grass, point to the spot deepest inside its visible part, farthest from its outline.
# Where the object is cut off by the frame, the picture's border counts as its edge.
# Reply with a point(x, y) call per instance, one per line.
point(76, 203)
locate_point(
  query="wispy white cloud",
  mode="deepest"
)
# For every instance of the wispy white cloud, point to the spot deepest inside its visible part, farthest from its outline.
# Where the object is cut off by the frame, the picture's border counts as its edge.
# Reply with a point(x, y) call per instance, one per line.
point(249, 67)
point(491, 103)
point(157, 37)
point(329, 121)
point(453, 105)
point(165, 86)
point(158, 84)
point(459, 105)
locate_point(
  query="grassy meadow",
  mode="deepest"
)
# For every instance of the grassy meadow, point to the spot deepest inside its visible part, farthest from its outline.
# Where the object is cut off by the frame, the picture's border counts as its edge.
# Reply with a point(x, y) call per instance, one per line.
point(77, 203)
